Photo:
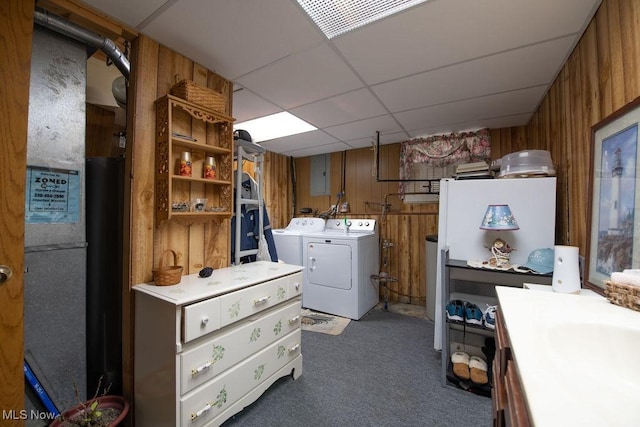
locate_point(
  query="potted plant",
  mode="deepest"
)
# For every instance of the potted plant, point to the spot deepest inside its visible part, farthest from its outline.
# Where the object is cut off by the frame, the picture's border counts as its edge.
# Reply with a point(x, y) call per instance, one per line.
point(100, 411)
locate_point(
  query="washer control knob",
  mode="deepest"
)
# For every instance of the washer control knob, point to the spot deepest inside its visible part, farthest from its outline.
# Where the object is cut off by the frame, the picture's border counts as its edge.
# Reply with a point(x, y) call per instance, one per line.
point(360, 224)
point(366, 223)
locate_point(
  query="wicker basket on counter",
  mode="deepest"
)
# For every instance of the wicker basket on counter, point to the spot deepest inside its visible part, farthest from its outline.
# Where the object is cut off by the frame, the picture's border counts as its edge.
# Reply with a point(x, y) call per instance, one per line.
point(167, 276)
point(623, 295)
point(202, 96)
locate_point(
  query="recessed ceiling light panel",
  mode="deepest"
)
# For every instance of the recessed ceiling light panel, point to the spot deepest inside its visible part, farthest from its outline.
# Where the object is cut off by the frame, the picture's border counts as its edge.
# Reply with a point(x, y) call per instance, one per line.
point(335, 17)
point(274, 126)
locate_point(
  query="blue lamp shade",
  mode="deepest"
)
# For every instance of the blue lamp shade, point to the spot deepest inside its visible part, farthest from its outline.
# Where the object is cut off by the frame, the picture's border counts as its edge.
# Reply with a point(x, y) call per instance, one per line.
point(499, 217)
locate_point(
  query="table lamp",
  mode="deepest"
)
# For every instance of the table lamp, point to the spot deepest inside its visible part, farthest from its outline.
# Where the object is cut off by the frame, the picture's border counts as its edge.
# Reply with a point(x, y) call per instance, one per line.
point(499, 218)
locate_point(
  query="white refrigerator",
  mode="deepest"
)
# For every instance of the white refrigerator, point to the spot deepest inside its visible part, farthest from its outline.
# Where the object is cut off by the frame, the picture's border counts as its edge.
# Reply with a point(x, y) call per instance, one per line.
point(463, 204)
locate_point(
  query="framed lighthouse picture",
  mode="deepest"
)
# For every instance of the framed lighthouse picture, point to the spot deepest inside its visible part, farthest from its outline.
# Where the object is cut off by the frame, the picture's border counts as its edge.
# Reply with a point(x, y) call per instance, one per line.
point(615, 194)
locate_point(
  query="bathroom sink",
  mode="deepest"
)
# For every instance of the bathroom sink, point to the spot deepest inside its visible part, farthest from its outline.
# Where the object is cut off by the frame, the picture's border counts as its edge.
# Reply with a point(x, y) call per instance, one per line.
point(576, 357)
point(605, 355)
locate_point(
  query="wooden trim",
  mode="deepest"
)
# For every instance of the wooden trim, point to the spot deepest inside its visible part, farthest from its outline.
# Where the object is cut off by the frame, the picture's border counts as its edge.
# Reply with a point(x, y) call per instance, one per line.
point(89, 18)
point(16, 40)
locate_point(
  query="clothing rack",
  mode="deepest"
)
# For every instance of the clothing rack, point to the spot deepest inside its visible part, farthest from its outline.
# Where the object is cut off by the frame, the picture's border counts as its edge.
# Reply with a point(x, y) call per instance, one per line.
point(246, 150)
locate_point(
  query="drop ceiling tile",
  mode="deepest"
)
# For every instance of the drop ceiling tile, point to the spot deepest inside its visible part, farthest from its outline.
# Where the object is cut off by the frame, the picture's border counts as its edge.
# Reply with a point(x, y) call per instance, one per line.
point(248, 105)
point(440, 33)
point(497, 123)
point(364, 128)
point(344, 108)
point(321, 149)
point(384, 139)
point(519, 68)
point(302, 78)
point(234, 37)
point(301, 140)
point(128, 12)
point(485, 107)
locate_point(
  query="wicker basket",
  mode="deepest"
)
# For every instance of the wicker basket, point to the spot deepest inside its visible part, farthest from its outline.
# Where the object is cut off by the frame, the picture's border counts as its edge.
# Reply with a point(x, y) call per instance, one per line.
point(623, 295)
point(166, 276)
point(205, 97)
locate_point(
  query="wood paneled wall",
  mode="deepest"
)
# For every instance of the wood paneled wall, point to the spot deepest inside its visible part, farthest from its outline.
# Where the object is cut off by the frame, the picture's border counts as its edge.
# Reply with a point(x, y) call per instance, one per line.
point(601, 76)
point(196, 245)
point(403, 226)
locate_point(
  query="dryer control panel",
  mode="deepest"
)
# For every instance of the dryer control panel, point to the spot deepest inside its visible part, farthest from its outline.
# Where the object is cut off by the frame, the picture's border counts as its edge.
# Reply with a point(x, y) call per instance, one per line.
point(351, 225)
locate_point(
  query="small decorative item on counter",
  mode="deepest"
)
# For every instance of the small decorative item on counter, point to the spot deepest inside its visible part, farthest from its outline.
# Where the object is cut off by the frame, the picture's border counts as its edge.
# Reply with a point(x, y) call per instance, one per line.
point(566, 271)
point(185, 164)
point(209, 170)
point(169, 275)
point(180, 206)
point(501, 252)
point(206, 272)
point(199, 205)
point(624, 288)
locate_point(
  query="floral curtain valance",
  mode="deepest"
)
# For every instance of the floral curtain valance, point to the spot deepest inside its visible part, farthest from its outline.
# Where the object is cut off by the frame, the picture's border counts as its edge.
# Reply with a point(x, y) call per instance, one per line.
point(445, 150)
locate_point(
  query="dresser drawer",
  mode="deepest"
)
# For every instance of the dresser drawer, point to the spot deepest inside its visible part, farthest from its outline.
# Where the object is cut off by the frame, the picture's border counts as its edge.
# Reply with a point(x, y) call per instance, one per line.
point(204, 362)
point(200, 406)
point(254, 299)
point(200, 318)
point(295, 285)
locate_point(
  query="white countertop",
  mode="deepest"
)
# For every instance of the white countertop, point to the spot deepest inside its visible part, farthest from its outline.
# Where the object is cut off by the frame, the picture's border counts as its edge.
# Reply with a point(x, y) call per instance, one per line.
point(578, 357)
point(223, 280)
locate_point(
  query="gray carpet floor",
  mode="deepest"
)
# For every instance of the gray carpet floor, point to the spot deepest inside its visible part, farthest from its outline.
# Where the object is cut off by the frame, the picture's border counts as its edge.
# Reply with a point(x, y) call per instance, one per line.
point(381, 371)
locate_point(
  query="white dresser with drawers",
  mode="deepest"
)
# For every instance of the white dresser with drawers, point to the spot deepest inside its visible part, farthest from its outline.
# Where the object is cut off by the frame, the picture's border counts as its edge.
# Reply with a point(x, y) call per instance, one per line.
point(208, 347)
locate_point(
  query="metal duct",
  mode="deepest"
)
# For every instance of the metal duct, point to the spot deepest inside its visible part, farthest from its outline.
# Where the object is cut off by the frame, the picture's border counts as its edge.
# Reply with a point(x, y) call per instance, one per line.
point(62, 26)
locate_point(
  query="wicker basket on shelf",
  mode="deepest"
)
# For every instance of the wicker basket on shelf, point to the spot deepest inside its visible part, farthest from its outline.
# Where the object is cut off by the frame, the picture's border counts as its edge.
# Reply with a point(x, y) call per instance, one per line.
point(167, 276)
point(202, 96)
point(623, 295)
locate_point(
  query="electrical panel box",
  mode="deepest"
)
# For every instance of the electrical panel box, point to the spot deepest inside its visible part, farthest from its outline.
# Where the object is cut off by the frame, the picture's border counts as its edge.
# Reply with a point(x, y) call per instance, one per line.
point(320, 167)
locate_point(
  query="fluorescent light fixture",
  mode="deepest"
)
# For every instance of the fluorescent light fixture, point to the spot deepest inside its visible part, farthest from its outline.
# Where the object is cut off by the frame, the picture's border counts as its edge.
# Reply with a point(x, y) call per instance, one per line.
point(335, 17)
point(274, 126)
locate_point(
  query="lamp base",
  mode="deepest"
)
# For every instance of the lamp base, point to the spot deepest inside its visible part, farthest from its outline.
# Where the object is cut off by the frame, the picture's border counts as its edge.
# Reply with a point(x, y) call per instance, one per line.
point(501, 253)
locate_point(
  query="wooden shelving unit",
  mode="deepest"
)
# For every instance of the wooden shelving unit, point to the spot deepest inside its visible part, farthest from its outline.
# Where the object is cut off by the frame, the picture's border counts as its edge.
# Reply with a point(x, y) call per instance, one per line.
point(183, 126)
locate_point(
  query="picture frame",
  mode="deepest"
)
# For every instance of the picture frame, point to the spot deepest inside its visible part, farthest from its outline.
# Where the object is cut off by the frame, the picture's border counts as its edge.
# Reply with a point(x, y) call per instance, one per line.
point(614, 196)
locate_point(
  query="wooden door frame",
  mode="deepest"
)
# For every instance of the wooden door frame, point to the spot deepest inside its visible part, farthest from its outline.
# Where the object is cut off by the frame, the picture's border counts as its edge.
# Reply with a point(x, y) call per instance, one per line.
point(16, 35)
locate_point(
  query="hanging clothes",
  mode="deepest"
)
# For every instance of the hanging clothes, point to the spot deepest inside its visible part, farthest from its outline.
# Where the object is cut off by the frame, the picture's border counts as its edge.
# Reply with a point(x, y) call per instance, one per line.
point(250, 224)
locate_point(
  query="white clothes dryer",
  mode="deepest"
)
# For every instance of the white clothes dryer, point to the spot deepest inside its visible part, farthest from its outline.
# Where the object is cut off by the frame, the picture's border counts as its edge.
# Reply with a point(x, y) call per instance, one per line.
point(339, 263)
point(288, 240)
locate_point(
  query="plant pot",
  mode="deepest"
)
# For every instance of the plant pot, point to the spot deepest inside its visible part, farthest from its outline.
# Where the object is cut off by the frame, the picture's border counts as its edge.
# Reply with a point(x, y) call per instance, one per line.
point(114, 410)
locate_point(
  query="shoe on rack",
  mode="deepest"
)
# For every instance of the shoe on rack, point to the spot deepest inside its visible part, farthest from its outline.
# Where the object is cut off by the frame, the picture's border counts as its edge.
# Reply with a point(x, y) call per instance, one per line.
point(489, 317)
point(455, 311)
point(460, 363)
point(472, 314)
point(478, 370)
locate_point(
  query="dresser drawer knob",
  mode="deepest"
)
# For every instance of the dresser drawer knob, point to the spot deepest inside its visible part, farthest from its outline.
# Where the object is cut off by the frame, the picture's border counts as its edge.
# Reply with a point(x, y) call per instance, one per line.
point(205, 320)
point(294, 320)
point(294, 348)
point(199, 369)
point(297, 286)
point(261, 301)
point(201, 411)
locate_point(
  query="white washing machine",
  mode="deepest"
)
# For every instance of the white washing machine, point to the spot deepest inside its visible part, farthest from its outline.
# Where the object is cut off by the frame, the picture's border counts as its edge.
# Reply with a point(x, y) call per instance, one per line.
point(339, 262)
point(288, 240)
